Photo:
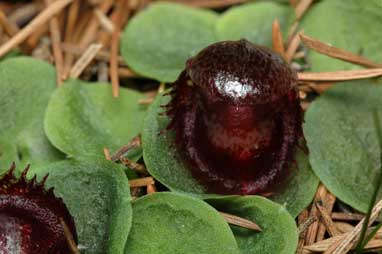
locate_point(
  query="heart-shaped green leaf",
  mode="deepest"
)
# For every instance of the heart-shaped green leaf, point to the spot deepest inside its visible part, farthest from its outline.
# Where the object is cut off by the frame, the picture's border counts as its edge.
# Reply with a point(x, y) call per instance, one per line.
point(83, 118)
point(169, 223)
point(279, 232)
point(351, 25)
point(253, 22)
point(158, 41)
point(97, 195)
point(342, 140)
point(25, 88)
point(164, 163)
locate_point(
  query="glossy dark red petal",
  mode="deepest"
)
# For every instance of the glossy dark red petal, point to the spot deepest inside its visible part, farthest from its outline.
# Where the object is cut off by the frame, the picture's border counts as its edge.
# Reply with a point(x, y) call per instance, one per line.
point(237, 117)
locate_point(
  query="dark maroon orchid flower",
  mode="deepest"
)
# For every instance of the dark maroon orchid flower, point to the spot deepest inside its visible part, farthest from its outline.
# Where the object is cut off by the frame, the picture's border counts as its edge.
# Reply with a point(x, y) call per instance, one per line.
point(237, 117)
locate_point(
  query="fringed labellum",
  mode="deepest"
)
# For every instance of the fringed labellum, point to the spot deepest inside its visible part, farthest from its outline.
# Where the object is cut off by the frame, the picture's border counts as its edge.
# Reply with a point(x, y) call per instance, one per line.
point(31, 218)
point(237, 117)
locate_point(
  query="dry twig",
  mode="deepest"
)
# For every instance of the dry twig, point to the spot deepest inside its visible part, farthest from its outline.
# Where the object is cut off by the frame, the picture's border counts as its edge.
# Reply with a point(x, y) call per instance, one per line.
point(277, 39)
point(334, 52)
point(313, 229)
point(292, 47)
point(141, 182)
point(302, 219)
point(344, 244)
point(69, 237)
point(115, 46)
point(327, 221)
point(339, 75)
point(134, 142)
point(55, 37)
point(241, 222)
point(84, 60)
point(42, 18)
point(328, 203)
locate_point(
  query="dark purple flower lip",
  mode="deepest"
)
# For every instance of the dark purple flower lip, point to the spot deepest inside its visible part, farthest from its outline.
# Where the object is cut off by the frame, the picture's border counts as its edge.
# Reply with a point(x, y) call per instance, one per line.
point(32, 218)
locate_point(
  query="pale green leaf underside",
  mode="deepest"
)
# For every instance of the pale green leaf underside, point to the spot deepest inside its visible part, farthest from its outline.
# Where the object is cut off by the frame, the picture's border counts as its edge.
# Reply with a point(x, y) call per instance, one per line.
point(170, 223)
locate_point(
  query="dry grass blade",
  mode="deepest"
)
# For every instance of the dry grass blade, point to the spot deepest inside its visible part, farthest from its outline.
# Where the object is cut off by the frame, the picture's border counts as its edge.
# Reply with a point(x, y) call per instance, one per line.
point(339, 75)
point(313, 229)
point(106, 152)
point(345, 244)
point(303, 227)
point(69, 237)
point(101, 55)
point(41, 19)
point(25, 12)
point(302, 7)
point(328, 204)
point(84, 60)
point(277, 39)
point(69, 31)
point(91, 28)
point(114, 77)
point(105, 22)
point(10, 28)
point(141, 182)
point(323, 245)
point(334, 52)
point(344, 227)
point(124, 72)
point(319, 88)
point(145, 101)
point(347, 216)
point(139, 168)
point(134, 142)
point(241, 222)
point(327, 221)
point(55, 36)
point(302, 218)
point(151, 189)
point(292, 47)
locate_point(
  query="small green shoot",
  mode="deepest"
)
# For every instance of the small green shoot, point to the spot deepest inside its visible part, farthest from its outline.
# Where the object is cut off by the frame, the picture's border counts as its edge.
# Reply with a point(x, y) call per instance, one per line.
point(363, 240)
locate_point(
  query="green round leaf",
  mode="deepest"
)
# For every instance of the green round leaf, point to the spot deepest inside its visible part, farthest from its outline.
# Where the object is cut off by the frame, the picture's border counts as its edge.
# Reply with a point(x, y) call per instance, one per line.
point(300, 186)
point(83, 118)
point(157, 42)
point(169, 223)
point(97, 195)
point(8, 154)
point(164, 163)
point(253, 22)
point(25, 88)
point(342, 140)
point(279, 232)
point(350, 25)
